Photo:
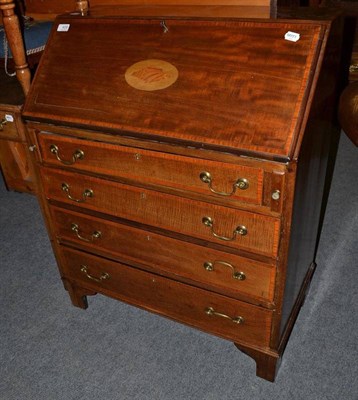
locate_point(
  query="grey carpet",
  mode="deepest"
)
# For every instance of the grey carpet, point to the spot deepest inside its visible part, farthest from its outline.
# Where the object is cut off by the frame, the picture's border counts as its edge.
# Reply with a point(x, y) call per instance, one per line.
point(50, 350)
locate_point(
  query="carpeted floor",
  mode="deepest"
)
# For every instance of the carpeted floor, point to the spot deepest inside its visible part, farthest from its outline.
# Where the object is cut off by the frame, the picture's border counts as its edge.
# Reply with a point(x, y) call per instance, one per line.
point(50, 350)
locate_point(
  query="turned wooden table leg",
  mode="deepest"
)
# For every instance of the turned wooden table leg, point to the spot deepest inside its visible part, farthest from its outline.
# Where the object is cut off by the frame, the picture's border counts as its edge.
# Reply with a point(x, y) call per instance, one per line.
point(16, 44)
point(266, 364)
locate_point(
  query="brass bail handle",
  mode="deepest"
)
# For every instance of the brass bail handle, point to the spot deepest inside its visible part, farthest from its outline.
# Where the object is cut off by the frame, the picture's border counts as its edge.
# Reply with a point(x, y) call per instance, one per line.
point(164, 26)
point(353, 68)
point(104, 276)
point(241, 183)
point(77, 155)
point(236, 320)
point(240, 230)
point(85, 195)
point(210, 266)
point(2, 123)
point(95, 235)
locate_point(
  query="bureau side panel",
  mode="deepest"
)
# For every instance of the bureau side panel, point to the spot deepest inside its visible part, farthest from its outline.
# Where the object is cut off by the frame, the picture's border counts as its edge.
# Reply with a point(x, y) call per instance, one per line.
point(314, 165)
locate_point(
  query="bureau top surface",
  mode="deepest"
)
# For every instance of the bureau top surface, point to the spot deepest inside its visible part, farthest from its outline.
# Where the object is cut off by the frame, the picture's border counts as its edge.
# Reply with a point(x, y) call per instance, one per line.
point(226, 84)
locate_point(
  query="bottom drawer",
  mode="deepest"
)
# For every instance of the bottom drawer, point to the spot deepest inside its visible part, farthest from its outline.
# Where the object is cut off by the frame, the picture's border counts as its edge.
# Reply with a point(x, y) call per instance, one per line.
point(225, 317)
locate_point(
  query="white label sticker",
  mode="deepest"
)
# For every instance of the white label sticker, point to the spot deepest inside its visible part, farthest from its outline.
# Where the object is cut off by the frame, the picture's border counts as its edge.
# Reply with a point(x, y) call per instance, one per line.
point(9, 118)
point(63, 27)
point(292, 36)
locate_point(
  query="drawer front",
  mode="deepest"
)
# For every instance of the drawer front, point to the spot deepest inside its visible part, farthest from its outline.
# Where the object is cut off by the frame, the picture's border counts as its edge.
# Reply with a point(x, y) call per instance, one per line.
point(233, 182)
point(8, 129)
point(220, 315)
point(175, 258)
point(231, 227)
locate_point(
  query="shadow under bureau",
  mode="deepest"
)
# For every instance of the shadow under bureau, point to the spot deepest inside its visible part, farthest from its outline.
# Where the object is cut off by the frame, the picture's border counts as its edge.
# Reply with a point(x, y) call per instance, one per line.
point(181, 165)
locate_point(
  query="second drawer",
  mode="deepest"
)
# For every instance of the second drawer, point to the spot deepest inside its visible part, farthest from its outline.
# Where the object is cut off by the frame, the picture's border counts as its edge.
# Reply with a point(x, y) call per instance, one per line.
point(222, 225)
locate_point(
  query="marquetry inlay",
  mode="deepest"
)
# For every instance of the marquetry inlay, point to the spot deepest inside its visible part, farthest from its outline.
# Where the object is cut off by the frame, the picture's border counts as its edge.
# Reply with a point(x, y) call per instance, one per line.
point(151, 75)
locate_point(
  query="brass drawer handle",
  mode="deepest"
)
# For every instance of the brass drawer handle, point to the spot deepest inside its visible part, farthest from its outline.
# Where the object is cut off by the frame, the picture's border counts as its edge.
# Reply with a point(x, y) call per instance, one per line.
point(87, 193)
point(240, 230)
point(77, 155)
point(103, 276)
point(353, 68)
point(2, 123)
point(236, 320)
point(209, 266)
point(241, 184)
point(95, 235)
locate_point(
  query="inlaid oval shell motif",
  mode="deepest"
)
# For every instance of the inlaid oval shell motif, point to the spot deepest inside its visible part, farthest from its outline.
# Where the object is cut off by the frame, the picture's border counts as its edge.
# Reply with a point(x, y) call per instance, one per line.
point(151, 75)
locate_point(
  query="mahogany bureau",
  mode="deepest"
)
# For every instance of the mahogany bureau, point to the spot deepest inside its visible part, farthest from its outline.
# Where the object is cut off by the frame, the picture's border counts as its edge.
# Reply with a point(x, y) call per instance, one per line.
point(181, 165)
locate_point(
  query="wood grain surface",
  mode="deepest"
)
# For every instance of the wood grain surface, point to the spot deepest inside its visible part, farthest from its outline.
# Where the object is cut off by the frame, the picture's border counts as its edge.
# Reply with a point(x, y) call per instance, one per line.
point(243, 87)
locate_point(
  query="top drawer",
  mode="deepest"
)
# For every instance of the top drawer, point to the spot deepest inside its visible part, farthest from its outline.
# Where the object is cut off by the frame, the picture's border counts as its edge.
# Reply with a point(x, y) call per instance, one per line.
point(211, 178)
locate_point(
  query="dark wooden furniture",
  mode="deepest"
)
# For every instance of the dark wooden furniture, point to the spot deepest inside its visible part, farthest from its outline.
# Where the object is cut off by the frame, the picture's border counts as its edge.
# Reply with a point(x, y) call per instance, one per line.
point(185, 176)
point(348, 111)
point(14, 160)
point(349, 9)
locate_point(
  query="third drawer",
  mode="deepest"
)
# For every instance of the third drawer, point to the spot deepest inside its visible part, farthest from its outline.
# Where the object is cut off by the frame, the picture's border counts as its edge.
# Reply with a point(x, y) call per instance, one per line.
point(220, 271)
